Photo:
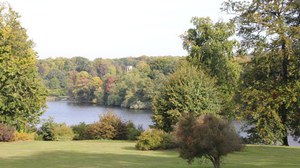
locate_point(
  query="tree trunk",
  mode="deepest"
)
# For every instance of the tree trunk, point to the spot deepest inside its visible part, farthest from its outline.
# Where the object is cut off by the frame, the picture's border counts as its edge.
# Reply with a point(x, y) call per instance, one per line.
point(283, 113)
point(217, 162)
point(285, 141)
point(282, 109)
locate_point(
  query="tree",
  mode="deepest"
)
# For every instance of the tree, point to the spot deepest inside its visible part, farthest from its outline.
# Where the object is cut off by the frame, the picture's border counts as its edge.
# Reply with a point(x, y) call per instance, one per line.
point(132, 90)
point(270, 33)
point(167, 65)
point(84, 88)
point(210, 48)
point(22, 95)
point(187, 90)
point(207, 136)
point(81, 63)
point(104, 67)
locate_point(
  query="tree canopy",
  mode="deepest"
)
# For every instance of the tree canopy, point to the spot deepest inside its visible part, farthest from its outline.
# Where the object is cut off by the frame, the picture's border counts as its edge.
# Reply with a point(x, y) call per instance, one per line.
point(210, 47)
point(270, 34)
point(188, 90)
point(22, 94)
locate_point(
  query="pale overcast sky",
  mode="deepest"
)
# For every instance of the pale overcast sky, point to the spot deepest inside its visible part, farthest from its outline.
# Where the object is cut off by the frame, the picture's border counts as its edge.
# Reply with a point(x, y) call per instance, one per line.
point(111, 28)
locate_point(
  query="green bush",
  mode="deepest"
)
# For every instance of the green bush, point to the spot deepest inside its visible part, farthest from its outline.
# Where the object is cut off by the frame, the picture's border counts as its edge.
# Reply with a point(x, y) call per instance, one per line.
point(80, 131)
point(51, 131)
point(133, 132)
point(46, 130)
point(153, 139)
point(168, 141)
point(122, 131)
point(62, 132)
point(7, 133)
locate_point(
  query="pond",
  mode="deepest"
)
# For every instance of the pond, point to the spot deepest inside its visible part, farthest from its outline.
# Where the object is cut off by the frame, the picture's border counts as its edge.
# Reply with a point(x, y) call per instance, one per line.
point(72, 113)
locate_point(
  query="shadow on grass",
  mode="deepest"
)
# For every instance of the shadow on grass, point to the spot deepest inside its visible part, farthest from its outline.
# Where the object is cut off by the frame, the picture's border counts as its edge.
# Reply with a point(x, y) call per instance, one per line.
point(253, 157)
point(131, 148)
point(63, 159)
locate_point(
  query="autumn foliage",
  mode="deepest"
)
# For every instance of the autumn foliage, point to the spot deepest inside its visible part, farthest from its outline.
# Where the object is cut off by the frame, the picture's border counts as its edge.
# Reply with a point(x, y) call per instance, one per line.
point(207, 136)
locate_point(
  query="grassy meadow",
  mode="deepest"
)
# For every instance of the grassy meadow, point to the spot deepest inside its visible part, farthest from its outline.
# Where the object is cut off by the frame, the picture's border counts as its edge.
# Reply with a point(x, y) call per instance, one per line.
point(122, 154)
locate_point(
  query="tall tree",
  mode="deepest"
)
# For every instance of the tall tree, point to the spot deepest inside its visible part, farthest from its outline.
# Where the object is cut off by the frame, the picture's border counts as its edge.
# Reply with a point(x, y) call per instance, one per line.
point(22, 95)
point(188, 90)
point(270, 33)
point(210, 48)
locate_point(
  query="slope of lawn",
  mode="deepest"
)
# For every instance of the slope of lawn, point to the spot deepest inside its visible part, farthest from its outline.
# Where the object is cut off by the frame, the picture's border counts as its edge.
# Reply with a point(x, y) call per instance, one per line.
point(122, 154)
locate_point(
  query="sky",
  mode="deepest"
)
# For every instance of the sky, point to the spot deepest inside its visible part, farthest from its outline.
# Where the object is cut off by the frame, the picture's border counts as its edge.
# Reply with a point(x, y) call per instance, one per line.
point(111, 28)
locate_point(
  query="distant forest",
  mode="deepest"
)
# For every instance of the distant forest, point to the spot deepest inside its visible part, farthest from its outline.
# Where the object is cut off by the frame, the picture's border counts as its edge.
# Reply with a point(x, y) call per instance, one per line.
point(125, 82)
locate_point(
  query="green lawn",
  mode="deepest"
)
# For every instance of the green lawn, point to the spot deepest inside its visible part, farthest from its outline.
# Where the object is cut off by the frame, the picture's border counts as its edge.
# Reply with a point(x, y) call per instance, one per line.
point(122, 154)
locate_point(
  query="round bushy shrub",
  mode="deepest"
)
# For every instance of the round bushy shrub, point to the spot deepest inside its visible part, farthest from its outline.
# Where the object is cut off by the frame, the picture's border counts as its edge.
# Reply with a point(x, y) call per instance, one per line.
point(207, 136)
point(80, 131)
point(93, 131)
point(110, 126)
point(62, 132)
point(153, 139)
point(46, 130)
point(7, 133)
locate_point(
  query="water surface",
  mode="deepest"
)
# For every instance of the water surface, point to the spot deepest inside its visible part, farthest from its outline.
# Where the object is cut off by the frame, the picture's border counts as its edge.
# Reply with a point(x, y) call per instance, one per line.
point(72, 113)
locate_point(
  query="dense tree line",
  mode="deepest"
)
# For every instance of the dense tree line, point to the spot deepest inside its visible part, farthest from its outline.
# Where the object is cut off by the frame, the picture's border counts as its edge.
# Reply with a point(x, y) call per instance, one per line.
point(126, 82)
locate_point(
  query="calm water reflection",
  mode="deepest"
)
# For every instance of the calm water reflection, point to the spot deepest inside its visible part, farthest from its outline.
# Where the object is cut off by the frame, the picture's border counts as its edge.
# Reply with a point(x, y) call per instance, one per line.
point(71, 113)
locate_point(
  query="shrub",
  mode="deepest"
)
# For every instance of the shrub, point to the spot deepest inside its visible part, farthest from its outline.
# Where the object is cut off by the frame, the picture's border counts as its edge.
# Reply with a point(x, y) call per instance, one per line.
point(207, 136)
point(80, 131)
point(50, 131)
point(122, 131)
point(7, 133)
point(23, 136)
point(62, 132)
point(133, 132)
point(100, 130)
point(168, 141)
point(93, 131)
point(110, 126)
point(153, 139)
point(46, 130)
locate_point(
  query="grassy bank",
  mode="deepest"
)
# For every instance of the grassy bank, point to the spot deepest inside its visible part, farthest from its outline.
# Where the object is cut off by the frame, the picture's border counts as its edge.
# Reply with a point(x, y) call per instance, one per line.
point(122, 154)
